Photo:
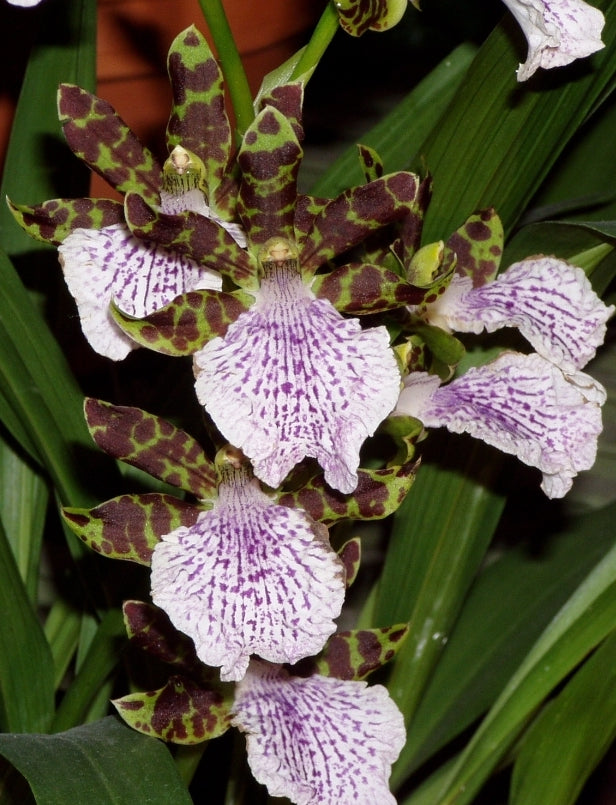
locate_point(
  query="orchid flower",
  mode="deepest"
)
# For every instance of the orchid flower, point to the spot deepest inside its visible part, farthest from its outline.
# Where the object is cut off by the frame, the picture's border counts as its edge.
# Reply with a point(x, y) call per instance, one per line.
point(521, 404)
point(557, 31)
point(318, 740)
point(249, 577)
point(103, 262)
point(315, 733)
point(24, 3)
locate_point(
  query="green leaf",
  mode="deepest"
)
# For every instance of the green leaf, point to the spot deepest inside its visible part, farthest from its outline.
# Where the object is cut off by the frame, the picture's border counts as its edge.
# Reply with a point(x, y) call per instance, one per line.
point(507, 136)
point(71, 765)
point(26, 666)
point(507, 608)
point(358, 288)
point(130, 526)
point(580, 625)
point(186, 324)
point(181, 712)
point(36, 159)
point(151, 444)
point(378, 494)
point(571, 734)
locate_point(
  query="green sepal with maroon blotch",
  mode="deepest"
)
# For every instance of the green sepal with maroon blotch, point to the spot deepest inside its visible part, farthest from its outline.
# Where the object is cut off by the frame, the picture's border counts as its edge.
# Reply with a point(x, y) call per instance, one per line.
point(186, 324)
point(52, 221)
point(199, 120)
point(359, 16)
point(151, 444)
point(288, 100)
point(358, 653)
point(478, 245)
point(444, 347)
point(149, 629)
point(378, 494)
point(407, 239)
point(371, 163)
point(129, 526)
point(188, 233)
point(269, 159)
point(350, 555)
point(98, 135)
point(358, 288)
point(404, 431)
point(181, 712)
point(354, 215)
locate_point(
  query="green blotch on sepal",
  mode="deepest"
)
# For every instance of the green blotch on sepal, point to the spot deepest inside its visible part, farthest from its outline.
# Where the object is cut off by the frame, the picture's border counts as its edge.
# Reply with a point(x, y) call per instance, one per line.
point(269, 159)
point(371, 163)
point(181, 712)
point(378, 494)
point(151, 444)
point(187, 323)
point(198, 120)
point(355, 654)
point(404, 431)
point(478, 245)
point(359, 16)
point(358, 288)
point(99, 136)
point(350, 555)
point(54, 220)
point(128, 527)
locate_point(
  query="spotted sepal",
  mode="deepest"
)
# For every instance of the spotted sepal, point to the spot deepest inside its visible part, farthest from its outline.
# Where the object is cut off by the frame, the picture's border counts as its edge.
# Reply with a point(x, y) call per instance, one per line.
point(181, 712)
point(149, 629)
point(350, 554)
point(203, 240)
point(269, 159)
point(478, 245)
point(54, 220)
point(129, 526)
point(378, 494)
point(153, 445)
point(199, 120)
point(359, 16)
point(99, 136)
point(185, 325)
point(371, 163)
point(409, 230)
point(359, 288)
point(288, 100)
point(350, 218)
point(358, 653)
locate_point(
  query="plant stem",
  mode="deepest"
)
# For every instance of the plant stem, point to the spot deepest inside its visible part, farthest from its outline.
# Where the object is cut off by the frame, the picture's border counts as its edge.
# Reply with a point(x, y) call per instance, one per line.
point(230, 62)
point(319, 42)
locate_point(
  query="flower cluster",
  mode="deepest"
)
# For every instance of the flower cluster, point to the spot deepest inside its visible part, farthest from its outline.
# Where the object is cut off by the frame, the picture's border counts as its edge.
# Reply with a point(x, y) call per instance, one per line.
point(215, 254)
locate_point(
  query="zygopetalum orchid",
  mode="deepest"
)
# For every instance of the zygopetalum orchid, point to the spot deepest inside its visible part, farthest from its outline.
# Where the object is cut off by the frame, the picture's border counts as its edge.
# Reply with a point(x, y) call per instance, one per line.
point(102, 260)
point(557, 31)
point(540, 407)
point(315, 733)
point(241, 572)
point(283, 374)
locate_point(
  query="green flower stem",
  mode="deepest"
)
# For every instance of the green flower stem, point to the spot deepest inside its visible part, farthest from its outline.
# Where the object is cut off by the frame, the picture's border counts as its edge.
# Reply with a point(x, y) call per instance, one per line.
point(187, 758)
point(230, 62)
point(319, 42)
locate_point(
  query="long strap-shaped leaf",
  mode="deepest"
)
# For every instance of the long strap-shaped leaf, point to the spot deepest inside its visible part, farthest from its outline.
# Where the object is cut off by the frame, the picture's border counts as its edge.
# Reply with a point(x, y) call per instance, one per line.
point(498, 139)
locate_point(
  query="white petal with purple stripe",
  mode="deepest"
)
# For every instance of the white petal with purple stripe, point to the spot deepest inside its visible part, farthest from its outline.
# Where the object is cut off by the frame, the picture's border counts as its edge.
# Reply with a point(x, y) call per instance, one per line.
point(249, 577)
point(319, 740)
point(101, 265)
point(551, 302)
point(292, 378)
point(521, 404)
point(557, 31)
